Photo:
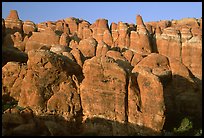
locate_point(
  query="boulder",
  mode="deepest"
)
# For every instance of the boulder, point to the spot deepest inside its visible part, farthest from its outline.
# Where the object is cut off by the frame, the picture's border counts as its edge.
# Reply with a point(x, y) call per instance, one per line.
point(12, 77)
point(29, 27)
point(88, 47)
point(46, 38)
point(73, 24)
point(101, 49)
point(83, 30)
point(41, 26)
point(64, 39)
point(78, 56)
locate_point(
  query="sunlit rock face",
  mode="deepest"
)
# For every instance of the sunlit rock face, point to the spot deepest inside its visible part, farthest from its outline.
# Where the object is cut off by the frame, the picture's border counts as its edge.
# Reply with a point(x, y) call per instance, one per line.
point(13, 23)
point(71, 77)
point(140, 39)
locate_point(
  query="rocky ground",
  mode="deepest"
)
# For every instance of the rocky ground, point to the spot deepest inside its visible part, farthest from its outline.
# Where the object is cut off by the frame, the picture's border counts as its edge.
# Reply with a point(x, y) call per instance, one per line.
point(70, 77)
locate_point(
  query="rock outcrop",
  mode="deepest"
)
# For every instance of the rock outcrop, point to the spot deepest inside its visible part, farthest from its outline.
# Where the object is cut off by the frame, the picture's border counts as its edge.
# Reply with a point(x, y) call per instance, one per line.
point(108, 84)
point(70, 77)
point(13, 23)
point(47, 38)
point(29, 27)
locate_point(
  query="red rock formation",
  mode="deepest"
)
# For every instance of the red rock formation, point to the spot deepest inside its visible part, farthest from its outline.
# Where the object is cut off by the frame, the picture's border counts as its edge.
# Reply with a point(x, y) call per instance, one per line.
point(147, 93)
point(41, 26)
point(40, 83)
point(77, 56)
point(169, 43)
point(186, 98)
point(73, 24)
point(51, 25)
point(115, 55)
point(73, 44)
point(192, 55)
point(107, 38)
point(11, 84)
point(98, 28)
point(123, 38)
point(88, 47)
point(64, 39)
point(115, 33)
point(13, 23)
point(59, 26)
point(108, 84)
point(186, 21)
point(29, 27)
point(138, 38)
point(136, 59)
point(102, 49)
point(83, 28)
point(13, 15)
point(47, 38)
point(80, 78)
point(128, 54)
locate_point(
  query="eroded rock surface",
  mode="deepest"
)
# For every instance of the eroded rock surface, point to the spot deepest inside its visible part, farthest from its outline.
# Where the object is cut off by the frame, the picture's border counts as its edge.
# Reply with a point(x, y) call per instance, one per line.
point(70, 77)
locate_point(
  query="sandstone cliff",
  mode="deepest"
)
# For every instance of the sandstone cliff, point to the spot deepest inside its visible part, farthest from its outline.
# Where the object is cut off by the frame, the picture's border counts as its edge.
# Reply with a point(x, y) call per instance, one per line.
point(70, 77)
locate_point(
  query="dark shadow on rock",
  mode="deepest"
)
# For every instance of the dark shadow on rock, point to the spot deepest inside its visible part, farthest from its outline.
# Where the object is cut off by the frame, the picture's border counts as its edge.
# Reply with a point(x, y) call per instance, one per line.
point(56, 125)
point(59, 33)
point(13, 30)
point(125, 65)
point(154, 44)
point(183, 99)
point(13, 54)
point(103, 127)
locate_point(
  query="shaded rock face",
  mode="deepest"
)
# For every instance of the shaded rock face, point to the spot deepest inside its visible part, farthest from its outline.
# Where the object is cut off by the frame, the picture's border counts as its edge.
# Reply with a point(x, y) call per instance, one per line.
point(70, 77)
point(13, 54)
point(3, 28)
point(178, 101)
point(13, 74)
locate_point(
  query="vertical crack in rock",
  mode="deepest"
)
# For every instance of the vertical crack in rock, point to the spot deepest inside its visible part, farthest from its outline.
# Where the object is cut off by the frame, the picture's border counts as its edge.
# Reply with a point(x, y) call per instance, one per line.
point(126, 99)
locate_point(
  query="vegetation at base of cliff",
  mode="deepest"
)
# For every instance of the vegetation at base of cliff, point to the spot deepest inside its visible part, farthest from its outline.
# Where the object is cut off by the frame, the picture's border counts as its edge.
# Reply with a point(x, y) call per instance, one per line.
point(7, 105)
point(187, 127)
